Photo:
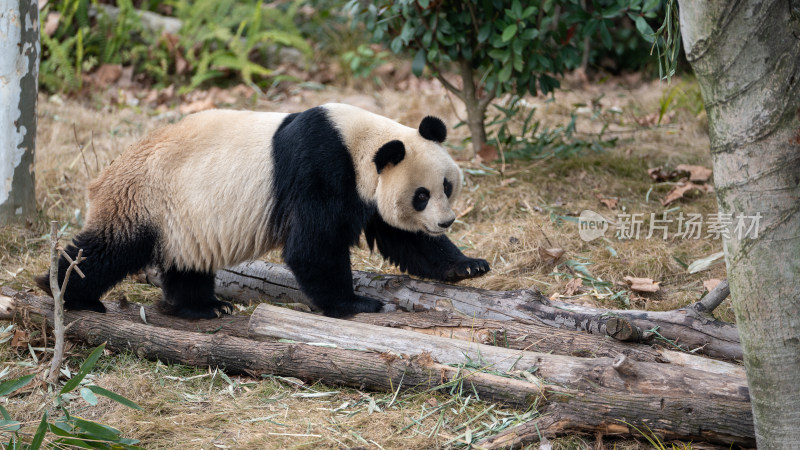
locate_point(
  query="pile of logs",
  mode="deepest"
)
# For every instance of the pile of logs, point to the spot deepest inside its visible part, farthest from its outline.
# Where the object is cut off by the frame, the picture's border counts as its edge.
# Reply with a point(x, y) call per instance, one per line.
point(587, 370)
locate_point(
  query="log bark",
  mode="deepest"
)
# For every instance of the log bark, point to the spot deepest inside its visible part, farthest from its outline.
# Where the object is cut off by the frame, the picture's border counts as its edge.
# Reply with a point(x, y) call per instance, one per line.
point(689, 328)
point(508, 334)
point(617, 414)
point(521, 335)
point(673, 415)
point(586, 374)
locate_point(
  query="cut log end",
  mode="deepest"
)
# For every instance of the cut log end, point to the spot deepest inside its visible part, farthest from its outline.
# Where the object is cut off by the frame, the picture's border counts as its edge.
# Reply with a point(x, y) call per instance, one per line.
point(622, 329)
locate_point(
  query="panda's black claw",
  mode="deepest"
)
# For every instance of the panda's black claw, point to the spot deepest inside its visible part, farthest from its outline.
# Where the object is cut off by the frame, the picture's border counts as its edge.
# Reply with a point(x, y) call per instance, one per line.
point(209, 310)
point(466, 268)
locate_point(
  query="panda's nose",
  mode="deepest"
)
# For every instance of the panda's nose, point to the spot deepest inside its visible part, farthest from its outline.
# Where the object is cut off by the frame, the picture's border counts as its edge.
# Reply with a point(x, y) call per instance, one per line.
point(447, 224)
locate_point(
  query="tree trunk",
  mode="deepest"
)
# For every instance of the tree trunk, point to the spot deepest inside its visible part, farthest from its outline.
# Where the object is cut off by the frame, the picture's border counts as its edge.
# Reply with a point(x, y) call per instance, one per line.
point(747, 59)
point(476, 107)
point(19, 73)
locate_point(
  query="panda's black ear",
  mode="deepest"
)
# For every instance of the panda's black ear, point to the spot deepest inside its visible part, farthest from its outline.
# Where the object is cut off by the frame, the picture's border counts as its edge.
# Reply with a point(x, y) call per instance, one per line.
point(392, 152)
point(433, 129)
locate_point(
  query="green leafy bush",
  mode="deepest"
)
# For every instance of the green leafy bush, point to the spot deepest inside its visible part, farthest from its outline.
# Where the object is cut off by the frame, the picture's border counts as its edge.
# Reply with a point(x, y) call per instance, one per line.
point(217, 41)
point(496, 46)
point(528, 139)
point(68, 429)
point(223, 37)
point(83, 40)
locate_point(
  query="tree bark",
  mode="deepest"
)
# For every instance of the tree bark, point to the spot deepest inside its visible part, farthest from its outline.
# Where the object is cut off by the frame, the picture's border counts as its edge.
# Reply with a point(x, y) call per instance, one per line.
point(714, 415)
point(689, 327)
point(19, 73)
point(526, 335)
point(508, 334)
point(476, 106)
point(746, 56)
point(585, 374)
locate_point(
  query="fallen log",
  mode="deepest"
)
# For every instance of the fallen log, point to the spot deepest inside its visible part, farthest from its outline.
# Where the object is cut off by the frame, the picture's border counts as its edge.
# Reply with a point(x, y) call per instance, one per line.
point(666, 417)
point(525, 335)
point(586, 374)
point(508, 334)
point(689, 328)
point(673, 414)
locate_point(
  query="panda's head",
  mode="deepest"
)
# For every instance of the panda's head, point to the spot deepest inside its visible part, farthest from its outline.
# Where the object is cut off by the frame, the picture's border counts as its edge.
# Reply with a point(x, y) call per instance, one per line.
point(418, 181)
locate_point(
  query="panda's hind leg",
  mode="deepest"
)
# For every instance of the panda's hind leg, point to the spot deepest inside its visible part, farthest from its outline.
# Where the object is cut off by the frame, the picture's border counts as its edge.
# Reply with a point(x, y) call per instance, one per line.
point(190, 294)
point(110, 255)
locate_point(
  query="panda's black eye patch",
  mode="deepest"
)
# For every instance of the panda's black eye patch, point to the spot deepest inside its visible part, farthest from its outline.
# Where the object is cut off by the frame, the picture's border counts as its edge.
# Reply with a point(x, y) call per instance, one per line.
point(448, 188)
point(421, 197)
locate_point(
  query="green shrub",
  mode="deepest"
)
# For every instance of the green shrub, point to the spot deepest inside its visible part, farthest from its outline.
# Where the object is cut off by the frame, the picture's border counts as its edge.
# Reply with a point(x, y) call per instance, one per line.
point(68, 429)
point(217, 42)
point(496, 46)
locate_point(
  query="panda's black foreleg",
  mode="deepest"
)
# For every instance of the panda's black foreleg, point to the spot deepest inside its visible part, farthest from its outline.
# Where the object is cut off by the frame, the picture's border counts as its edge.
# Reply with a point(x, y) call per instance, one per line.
point(109, 257)
point(419, 254)
point(190, 294)
point(322, 269)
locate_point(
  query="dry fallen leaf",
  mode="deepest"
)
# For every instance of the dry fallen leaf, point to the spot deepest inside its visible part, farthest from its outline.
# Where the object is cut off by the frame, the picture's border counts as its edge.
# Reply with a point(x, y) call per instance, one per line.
point(550, 255)
point(51, 23)
point(677, 192)
point(572, 287)
point(711, 284)
point(196, 106)
point(20, 339)
point(610, 202)
point(488, 153)
point(107, 74)
point(654, 119)
point(507, 182)
point(642, 284)
point(166, 94)
point(696, 173)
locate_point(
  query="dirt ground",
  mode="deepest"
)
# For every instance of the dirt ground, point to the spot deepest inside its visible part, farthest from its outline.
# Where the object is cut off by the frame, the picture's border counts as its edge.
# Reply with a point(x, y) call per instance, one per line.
point(510, 214)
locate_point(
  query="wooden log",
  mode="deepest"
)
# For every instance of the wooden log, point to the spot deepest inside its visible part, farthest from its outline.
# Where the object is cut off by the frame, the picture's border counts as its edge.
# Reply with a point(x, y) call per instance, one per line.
point(569, 412)
point(675, 415)
point(586, 374)
point(508, 334)
point(525, 335)
point(39, 305)
point(685, 327)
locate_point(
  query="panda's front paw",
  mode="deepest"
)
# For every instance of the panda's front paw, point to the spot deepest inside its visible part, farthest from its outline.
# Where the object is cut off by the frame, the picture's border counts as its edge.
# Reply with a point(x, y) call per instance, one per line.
point(357, 305)
point(204, 310)
point(466, 268)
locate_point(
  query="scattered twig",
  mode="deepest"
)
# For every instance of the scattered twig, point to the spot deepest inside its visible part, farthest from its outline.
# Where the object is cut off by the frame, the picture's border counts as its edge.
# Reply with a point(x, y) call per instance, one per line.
point(80, 147)
point(58, 297)
point(714, 298)
point(96, 159)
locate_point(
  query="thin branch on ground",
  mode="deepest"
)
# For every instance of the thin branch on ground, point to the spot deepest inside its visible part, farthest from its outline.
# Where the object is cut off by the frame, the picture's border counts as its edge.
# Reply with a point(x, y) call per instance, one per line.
point(58, 297)
point(714, 298)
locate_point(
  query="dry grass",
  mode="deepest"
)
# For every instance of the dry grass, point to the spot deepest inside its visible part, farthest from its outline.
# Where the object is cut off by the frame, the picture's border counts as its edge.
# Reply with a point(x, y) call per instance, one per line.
point(506, 218)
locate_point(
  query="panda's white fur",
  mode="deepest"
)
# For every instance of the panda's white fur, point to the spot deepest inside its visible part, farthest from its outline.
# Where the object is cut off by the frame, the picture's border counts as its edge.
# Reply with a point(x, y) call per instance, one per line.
point(200, 195)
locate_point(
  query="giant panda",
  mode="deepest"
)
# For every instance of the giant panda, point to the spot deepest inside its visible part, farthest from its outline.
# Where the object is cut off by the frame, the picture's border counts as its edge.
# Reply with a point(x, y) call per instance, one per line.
point(221, 187)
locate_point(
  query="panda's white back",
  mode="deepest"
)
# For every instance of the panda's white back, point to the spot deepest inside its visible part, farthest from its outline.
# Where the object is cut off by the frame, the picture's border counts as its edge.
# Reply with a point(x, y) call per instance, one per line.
point(206, 183)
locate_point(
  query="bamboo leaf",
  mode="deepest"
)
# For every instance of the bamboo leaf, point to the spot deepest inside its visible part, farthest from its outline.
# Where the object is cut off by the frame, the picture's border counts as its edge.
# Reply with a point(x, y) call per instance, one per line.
point(38, 437)
point(10, 386)
point(113, 396)
point(86, 367)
